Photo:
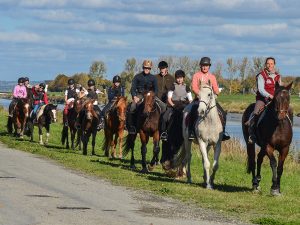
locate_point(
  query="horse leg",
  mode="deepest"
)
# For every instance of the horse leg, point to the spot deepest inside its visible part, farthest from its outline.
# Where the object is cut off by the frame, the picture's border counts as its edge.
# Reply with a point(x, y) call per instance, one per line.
point(217, 152)
point(144, 140)
point(94, 141)
point(132, 160)
point(251, 164)
point(114, 141)
point(205, 163)
point(282, 156)
point(73, 133)
point(67, 137)
point(156, 150)
point(273, 163)
point(120, 136)
point(257, 178)
point(84, 139)
point(47, 133)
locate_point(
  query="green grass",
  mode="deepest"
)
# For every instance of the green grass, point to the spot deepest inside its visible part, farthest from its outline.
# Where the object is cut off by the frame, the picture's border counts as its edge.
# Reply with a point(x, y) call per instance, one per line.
point(232, 197)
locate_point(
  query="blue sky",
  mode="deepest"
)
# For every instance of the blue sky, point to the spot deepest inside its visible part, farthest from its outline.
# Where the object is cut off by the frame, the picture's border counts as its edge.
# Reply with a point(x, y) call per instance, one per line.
point(42, 38)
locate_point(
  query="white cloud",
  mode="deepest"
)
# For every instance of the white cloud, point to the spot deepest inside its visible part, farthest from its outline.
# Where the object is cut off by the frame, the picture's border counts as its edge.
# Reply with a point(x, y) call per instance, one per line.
point(56, 15)
point(19, 37)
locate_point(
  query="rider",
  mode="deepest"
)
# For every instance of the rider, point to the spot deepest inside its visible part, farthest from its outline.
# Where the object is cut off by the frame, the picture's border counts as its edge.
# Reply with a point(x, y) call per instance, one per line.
point(39, 98)
point(116, 90)
point(92, 93)
point(265, 82)
point(164, 81)
point(204, 76)
point(70, 96)
point(18, 92)
point(142, 82)
point(178, 96)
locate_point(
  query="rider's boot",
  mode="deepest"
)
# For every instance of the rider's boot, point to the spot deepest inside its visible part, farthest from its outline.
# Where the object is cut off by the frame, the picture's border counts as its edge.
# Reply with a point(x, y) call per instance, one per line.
point(252, 138)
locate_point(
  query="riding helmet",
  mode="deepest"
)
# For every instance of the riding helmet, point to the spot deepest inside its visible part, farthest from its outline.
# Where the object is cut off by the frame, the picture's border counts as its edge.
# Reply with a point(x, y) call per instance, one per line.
point(162, 65)
point(42, 85)
point(116, 79)
point(179, 73)
point(205, 61)
point(91, 82)
point(147, 63)
point(71, 81)
point(21, 80)
point(26, 79)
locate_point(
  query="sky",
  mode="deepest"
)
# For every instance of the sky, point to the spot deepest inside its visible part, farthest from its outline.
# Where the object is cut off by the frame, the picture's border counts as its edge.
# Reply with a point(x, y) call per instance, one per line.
point(43, 38)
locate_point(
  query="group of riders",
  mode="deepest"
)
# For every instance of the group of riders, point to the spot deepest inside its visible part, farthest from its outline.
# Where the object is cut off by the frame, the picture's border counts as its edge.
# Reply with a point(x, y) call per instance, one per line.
point(171, 93)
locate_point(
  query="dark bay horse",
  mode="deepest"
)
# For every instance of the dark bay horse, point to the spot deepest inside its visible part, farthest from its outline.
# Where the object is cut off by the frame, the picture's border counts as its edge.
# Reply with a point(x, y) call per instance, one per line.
point(89, 126)
point(45, 117)
point(71, 117)
point(20, 116)
point(148, 114)
point(114, 127)
point(274, 131)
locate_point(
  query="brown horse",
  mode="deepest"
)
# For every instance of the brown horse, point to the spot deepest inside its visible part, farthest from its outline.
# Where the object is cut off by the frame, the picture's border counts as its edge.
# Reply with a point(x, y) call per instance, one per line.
point(89, 126)
point(147, 116)
point(20, 116)
point(114, 125)
point(71, 117)
point(274, 131)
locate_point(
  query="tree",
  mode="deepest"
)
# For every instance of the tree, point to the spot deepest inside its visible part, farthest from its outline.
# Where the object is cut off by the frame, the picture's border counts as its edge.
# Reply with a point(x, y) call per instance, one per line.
point(232, 69)
point(97, 69)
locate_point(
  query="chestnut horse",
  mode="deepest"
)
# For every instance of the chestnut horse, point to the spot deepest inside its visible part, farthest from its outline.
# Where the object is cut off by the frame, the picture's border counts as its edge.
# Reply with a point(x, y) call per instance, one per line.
point(147, 116)
point(89, 126)
point(20, 116)
point(114, 127)
point(71, 117)
point(273, 131)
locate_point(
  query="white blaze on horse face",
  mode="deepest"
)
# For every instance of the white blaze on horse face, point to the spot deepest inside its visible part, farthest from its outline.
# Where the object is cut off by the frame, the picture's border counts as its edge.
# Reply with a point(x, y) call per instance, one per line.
point(54, 114)
point(89, 115)
point(148, 94)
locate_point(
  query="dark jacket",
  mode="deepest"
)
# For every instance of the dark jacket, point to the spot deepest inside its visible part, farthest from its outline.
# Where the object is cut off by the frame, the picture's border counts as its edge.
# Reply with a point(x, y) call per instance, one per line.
point(142, 82)
point(164, 84)
point(115, 92)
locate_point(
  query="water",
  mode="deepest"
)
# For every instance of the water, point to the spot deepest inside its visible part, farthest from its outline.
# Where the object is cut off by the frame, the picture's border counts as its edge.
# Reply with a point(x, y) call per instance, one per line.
point(233, 127)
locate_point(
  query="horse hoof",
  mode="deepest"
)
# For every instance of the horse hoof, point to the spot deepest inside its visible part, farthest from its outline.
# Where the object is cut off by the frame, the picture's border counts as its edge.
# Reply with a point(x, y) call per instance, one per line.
point(41, 143)
point(209, 187)
point(133, 167)
point(256, 189)
point(145, 170)
point(275, 192)
point(151, 168)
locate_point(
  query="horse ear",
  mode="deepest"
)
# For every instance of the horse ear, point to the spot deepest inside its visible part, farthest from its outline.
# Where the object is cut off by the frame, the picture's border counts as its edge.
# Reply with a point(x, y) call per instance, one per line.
point(55, 105)
point(288, 87)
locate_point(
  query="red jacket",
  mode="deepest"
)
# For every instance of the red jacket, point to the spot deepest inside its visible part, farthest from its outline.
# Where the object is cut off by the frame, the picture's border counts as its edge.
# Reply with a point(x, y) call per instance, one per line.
point(269, 83)
point(39, 97)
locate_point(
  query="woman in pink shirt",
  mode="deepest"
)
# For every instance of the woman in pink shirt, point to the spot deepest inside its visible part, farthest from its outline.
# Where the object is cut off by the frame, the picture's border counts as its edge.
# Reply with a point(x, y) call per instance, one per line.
point(19, 91)
point(203, 76)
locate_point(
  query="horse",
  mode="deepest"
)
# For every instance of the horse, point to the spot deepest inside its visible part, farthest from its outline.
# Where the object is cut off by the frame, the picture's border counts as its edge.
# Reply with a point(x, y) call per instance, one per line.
point(148, 114)
point(171, 146)
point(89, 126)
point(114, 125)
point(45, 116)
point(71, 117)
point(209, 133)
point(273, 132)
point(20, 116)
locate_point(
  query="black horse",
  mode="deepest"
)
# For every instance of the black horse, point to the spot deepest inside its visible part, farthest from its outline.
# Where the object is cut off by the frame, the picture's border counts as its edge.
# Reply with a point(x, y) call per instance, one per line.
point(274, 131)
point(45, 117)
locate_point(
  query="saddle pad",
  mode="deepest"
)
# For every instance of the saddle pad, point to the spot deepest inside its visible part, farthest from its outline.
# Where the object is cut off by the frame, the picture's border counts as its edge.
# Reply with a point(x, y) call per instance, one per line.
point(40, 112)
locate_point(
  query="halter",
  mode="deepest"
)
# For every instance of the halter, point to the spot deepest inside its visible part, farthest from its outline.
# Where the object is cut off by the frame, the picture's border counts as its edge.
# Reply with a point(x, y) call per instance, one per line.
point(208, 104)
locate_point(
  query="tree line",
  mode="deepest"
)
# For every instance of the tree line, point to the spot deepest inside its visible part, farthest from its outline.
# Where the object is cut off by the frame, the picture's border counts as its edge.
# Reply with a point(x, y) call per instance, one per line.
point(235, 76)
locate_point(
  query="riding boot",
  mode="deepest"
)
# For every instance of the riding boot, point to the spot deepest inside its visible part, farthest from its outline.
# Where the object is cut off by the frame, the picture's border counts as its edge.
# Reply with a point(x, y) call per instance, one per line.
point(130, 123)
point(225, 136)
point(100, 124)
point(252, 137)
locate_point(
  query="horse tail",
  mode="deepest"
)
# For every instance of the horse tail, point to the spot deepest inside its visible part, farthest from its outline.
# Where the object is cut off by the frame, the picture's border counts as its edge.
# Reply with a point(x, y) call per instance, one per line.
point(9, 125)
point(129, 144)
point(64, 134)
point(180, 157)
point(250, 158)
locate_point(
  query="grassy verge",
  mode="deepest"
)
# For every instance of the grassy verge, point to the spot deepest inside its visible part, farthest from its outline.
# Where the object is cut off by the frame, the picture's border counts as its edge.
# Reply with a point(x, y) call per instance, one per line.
point(232, 196)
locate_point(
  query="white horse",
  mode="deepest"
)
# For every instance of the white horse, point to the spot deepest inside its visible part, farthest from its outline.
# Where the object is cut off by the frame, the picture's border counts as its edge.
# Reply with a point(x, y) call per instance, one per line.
point(209, 133)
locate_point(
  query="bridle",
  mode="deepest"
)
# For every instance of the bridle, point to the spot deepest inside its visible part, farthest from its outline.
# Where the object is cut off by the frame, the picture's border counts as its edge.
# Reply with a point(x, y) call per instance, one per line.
point(207, 104)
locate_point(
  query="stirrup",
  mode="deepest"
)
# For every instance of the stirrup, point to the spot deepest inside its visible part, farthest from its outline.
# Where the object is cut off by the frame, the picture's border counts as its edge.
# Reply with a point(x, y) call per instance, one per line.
point(251, 139)
point(225, 137)
point(164, 136)
point(131, 130)
point(192, 135)
point(66, 124)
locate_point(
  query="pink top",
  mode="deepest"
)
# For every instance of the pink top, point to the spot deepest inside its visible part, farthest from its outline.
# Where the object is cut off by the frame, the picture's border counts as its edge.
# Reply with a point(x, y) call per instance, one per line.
point(204, 78)
point(20, 91)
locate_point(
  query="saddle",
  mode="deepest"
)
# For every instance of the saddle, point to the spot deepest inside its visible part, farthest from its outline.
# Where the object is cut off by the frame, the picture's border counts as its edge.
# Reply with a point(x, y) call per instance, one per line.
point(40, 112)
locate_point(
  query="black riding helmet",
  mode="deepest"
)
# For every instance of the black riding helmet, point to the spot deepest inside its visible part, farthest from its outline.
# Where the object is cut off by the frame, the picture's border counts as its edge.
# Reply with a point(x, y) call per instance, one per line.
point(162, 65)
point(116, 79)
point(91, 82)
point(42, 85)
point(179, 73)
point(26, 79)
point(205, 61)
point(21, 80)
point(71, 81)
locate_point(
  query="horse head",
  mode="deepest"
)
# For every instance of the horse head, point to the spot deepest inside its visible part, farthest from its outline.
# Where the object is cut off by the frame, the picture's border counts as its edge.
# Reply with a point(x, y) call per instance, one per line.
point(121, 107)
point(89, 110)
point(50, 112)
point(24, 106)
point(281, 100)
point(206, 99)
point(149, 102)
